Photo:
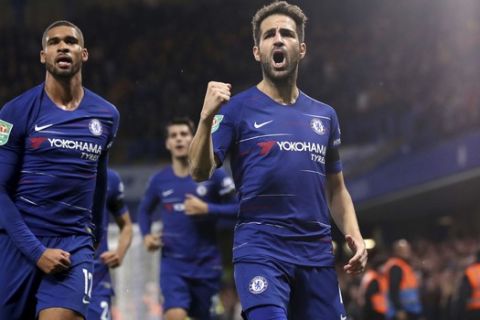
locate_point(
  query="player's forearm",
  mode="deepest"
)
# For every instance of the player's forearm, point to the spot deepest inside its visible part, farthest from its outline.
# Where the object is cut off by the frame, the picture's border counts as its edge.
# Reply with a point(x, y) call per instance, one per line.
point(125, 239)
point(200, 154)
point(343, 213)
point(99, 198)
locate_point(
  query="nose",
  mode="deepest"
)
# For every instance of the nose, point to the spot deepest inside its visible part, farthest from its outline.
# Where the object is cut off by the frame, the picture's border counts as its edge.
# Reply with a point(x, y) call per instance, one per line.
point(62, 47)
point(278, 39)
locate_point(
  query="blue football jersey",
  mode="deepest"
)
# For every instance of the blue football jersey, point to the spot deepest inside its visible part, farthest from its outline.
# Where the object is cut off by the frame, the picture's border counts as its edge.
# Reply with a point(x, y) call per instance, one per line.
point(55, 155)
point(116, 207)
point(187, 240)
point(280, 160)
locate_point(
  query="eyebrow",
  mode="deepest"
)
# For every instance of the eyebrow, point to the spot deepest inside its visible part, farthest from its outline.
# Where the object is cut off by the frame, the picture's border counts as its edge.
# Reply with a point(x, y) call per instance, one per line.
point(281, 30)
point(72, 39)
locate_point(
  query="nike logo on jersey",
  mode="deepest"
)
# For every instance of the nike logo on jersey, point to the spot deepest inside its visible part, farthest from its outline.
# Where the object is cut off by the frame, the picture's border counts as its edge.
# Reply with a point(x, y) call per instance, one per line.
point(85, 301)
point(40, 128)
point(259, 125)
point(342, 317)
point(167, 193)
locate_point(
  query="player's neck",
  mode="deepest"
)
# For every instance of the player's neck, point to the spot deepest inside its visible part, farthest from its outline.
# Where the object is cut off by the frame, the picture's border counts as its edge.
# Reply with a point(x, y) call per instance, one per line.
point(65, 93)
point(180, 167)
point(283, 93)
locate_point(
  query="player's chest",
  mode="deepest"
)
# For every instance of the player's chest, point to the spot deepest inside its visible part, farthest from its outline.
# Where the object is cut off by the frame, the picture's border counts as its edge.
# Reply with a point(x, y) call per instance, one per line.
point(266, 133)
point(78, 136)
point(176, 191)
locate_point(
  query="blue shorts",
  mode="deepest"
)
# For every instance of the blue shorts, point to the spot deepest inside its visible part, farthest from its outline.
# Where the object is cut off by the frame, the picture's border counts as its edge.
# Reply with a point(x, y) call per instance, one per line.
point(193, 295)
point(100, 307)
point(303, 292)
point(25, 290)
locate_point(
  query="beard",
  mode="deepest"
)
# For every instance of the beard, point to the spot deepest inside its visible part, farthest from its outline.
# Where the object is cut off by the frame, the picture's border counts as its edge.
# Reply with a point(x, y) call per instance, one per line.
point(286, 75)
point(63, 73)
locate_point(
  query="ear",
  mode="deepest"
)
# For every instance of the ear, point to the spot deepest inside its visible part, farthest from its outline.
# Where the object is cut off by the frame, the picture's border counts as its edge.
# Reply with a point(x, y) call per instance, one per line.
point(167, 146)
point(256, 53)
point(84, 55)
point(42, 57)
point(303, 50)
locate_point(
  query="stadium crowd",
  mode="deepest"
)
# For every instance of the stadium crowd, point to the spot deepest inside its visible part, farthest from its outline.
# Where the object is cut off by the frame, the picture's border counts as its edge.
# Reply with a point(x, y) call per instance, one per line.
point(393, 72)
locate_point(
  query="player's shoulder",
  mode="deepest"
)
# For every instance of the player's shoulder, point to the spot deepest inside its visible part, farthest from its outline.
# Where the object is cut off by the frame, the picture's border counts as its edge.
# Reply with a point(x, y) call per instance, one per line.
point(25, 100)
point(242, 98)
point(163, 174)
point(317, 104)
point(101, 102)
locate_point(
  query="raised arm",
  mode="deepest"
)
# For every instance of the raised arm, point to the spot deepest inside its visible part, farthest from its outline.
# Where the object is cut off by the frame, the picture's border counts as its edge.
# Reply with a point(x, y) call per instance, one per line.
point(201, 158)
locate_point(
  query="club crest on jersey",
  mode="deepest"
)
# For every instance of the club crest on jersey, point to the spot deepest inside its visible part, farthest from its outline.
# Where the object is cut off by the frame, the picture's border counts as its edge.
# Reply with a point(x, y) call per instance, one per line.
point(317, 126)
point(5, 129)
point(95, 127)
point(216, 122)
point(201, 190)
point(258, 285)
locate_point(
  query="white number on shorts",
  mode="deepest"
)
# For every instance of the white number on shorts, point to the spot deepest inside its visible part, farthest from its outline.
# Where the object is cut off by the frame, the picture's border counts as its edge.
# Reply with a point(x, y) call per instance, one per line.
point(88, 282)
point(104, 306)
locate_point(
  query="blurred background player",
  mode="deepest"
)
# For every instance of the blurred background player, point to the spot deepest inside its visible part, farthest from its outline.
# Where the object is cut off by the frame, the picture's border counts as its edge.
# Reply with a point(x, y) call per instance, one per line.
point(54, 141)
point(467, 305)
point(190, 262)
point(403, 286)
point(373, 289)
point(102, 292)
point(285, 159)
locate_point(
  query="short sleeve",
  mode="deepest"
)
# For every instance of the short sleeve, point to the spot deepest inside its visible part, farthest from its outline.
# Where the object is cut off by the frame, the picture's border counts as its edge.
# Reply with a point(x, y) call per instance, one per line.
point(333, 163)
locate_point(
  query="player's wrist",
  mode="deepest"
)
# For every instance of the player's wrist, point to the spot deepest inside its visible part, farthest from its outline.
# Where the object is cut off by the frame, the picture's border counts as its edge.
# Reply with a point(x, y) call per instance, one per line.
point(206, 118)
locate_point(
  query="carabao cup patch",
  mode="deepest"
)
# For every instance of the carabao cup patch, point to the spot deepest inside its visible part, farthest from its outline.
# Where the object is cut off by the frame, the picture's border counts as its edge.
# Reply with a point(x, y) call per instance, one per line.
point(258, 285)
point(5, 129)
point(216, 122)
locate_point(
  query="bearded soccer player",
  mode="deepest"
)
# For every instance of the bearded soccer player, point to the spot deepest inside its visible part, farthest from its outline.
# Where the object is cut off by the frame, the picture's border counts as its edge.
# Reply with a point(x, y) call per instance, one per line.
point(54, 140)
point(284, 155)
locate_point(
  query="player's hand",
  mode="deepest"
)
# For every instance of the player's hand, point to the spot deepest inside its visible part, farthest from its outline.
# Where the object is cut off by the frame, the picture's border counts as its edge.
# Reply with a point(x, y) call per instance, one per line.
point(357, 263)
point(217, 94)
point(152, 242)
point(194, 205)
point(111, 259)
point(54, 261)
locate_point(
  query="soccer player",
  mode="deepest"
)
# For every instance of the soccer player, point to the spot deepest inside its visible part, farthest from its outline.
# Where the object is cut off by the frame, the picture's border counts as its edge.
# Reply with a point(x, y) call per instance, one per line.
point(102, 292)
point(54, 140)
point(190, 261)
point(285, 161)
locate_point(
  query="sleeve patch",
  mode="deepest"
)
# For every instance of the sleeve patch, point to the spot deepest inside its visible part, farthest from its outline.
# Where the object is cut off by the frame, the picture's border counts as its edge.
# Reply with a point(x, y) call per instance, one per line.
point(5, 129)
point(216, 122)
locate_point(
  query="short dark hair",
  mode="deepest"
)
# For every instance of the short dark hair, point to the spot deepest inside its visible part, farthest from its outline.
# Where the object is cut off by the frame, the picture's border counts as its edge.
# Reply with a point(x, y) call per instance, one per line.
point(279, 7)
point(60, 23)
point(180, 121)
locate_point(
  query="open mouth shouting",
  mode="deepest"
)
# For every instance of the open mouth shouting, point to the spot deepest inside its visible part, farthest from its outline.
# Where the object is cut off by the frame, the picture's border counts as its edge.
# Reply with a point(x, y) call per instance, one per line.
point(279, 59)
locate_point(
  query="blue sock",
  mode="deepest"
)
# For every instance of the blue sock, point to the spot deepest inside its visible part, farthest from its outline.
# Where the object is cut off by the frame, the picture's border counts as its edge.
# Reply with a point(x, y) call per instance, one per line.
point(266, 313)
